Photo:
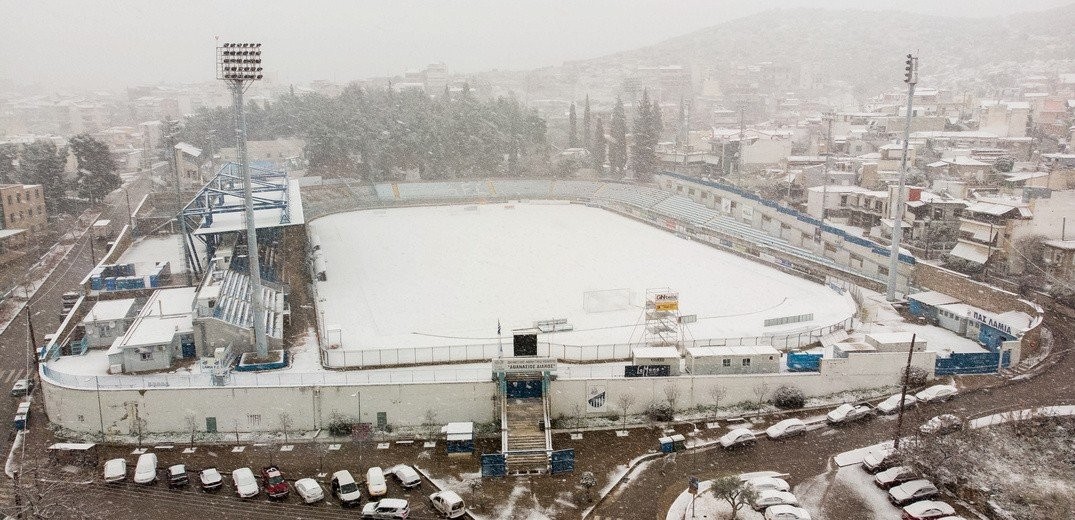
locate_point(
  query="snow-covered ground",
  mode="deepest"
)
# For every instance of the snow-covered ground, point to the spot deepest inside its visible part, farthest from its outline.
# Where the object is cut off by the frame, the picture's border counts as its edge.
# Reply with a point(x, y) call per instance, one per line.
point(413, 277)
point(883, 318)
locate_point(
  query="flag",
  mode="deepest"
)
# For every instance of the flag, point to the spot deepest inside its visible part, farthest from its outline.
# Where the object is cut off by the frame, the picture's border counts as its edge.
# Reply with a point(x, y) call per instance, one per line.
point(498, 326)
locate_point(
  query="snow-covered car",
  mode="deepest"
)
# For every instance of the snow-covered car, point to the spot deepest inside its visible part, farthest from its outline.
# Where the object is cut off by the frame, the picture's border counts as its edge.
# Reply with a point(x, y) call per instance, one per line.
point(942, 425)
point(894, 476)
point(770, 497)
point(210, 479)
point(21, 387)
point(309, 490)
point(846, 413)
point(386, 509)
point(275, 485)
point(953, 517)
point(738, 437)
point(786, 512)
point(786, 428)
point(936, 393)
point(375, 482)
point(246, 486)
point(912, 491)
point(892, 404)
point(145, 470)
point(406, 475)
point(927, 510)
point(345, 488)
point(115, 470)
point(177, 476)
point(879, 459)
point(759, 484)
point(448, 503)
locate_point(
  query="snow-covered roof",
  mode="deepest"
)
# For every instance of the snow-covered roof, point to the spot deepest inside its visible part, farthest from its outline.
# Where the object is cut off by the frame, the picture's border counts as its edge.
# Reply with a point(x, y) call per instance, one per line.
point(938, 164)
point(994, 208)
point(738, 350)
point(170, 302)
point(155, 330)
point(5, 233)
point(655, 352)
point(110, 310)
point(933, 298)
point(189, 149)
point(458, 431)
point(1024, 176)
point(966, 161)
point(1061, 244)
point(968, 252)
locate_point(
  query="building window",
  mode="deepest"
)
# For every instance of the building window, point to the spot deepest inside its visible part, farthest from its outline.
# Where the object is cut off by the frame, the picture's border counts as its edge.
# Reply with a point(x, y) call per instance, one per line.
point(254, 419)
point(746, 362)
point(726, 362)
point(9, 200)
point(883, 271)
point(18, 198)
point(147, 356)
point(705, 195)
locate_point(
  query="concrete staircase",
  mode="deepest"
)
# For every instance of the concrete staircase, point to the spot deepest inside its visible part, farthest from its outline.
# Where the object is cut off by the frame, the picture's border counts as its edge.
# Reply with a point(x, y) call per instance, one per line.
point(527, 440)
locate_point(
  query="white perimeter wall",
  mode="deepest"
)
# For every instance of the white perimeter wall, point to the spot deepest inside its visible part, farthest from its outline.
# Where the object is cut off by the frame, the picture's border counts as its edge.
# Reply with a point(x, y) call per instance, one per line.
point(312, 408)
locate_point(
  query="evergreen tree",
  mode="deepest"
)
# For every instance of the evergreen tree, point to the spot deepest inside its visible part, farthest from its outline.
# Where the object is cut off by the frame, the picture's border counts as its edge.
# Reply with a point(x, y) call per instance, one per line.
point(9, 153)
point(645, 136)
point(42, 162)
point(96, 169)
point(599, 145)
point(572, 131)
point(586, 136)
point(617, 146)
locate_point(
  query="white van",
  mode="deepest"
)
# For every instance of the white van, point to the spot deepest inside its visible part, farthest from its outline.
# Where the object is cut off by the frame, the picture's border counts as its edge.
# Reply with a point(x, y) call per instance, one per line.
point(448, 503)
point(246, 485)
point(145, 471)
point(375, 482)
point(345, 488)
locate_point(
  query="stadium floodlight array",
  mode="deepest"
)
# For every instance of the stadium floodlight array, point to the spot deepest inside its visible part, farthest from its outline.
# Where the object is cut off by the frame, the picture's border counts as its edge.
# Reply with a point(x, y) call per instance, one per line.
point(239, 62)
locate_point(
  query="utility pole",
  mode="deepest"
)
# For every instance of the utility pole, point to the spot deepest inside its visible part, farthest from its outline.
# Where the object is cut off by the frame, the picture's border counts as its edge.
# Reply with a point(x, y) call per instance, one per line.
point(130, 213)
point(910, 78)
point(903, 394)
point(828, 166)
point(739, 149)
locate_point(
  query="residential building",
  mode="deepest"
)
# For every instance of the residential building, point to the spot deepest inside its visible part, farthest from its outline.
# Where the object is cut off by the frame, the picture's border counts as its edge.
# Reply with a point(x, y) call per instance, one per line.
point(23, 209)
point(188, 162)
point(161, 333)
point(1059, 259)
point(986, 227)
point(724, 360)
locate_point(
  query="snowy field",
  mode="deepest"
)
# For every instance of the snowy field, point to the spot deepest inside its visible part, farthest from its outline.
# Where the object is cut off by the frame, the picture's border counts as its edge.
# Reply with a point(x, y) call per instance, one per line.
point(415, 277)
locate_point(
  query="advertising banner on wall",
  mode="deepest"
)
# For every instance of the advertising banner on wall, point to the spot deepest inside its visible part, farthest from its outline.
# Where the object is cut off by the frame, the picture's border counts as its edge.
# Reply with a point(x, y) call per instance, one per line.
point(596, 399)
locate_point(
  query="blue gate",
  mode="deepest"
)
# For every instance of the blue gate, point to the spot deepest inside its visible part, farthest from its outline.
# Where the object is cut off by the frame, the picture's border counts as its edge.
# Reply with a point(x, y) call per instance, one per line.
point(524, 389)
point(494, 465)
point(189, 350)
point(563, 461)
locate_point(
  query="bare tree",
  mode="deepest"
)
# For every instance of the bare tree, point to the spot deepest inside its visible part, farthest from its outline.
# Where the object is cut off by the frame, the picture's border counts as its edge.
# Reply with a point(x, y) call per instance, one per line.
point(671, 395)
point(588, 480)
point(761, 390)
point(625, 401)
point(578, 417)
point(431, 424)
point(286, 422)
point(733, 490)
point(717, 393)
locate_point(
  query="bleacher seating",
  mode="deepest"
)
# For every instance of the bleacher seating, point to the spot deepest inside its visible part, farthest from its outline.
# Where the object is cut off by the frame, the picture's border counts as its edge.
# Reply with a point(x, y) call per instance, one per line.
point(384, 191)
point(233, 305)
point(522, 188)
point(640, 196)
point(684, 209)
point(575, 189)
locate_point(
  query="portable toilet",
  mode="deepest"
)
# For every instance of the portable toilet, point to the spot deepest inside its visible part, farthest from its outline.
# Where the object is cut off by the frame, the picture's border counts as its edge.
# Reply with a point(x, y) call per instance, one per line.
point(667, 445)
point(459, 438)
point(20, 421)
point(678, 442)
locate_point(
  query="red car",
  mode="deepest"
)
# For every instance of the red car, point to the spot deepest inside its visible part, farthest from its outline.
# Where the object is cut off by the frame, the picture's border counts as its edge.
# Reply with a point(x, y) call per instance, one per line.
point(275, 485)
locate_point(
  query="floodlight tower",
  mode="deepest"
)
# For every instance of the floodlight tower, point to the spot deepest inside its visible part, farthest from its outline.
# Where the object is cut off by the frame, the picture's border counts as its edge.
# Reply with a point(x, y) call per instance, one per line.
point(910, 77)
point(239, 65)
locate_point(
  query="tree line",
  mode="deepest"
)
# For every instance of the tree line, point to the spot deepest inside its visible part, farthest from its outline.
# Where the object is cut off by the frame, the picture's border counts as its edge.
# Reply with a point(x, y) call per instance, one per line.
point(43, 162)
point(617, 149)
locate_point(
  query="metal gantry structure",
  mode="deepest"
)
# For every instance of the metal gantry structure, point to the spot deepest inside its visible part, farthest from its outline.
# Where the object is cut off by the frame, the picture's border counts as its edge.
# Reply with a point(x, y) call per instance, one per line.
point(239, 65)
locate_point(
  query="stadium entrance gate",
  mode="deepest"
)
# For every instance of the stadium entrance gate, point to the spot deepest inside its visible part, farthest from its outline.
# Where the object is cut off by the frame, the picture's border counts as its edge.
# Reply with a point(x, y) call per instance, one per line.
point(526, 438)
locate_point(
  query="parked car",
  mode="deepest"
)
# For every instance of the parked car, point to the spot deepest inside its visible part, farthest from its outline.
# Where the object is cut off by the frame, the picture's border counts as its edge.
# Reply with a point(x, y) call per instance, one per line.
point(275, 485)
point(759, 484)
point(936, 393)
point(22, 387)
point(772, 497)
point(738, 437)
point(246, 486)
point(942, 425)
point(375, 483)
point(177, 476)
point(309, 490)
point(846, 413)
point(894, 476)
point(786, 512)
point(927, 510)
point(448, 503)
point(386, 509)
point(145, 470)
point(878, 460)
point(912, 491)
point(345, 488)
point(892, 404)
point(115, 470)
point(210, 479)
point(406, 475)
point(786, 428)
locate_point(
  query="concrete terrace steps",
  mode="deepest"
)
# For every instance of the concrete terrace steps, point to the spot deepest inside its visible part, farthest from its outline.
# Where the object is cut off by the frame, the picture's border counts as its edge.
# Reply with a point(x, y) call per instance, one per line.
point(526, 447)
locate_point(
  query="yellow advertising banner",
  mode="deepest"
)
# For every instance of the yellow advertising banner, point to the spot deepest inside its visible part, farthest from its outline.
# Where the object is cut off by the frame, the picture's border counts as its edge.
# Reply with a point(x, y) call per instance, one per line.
point(667, 305)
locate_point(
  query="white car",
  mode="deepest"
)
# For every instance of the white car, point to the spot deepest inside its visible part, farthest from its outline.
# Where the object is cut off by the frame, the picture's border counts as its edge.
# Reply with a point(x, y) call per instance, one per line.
point(145, 470)
point(759, 484)
point(846, 413)
point(309, 490)
point(786, 512)
point(246, 486)
point(892, 404)
point(738, 437)
point(386, 509)
point(345, 488)
point(210, 479)
point(912, 491)
point(927, 509)
point(941, 425)
point(936, 393)
point(786, 428)
point(769, 498)
point(406, 475)
point(894, 477)
point(448, 503)
point(375, 482)
point(115, 470)
point(878, 460)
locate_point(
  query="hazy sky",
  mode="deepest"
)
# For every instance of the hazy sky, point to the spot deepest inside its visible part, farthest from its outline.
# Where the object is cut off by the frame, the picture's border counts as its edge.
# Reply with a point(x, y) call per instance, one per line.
point(77, 44)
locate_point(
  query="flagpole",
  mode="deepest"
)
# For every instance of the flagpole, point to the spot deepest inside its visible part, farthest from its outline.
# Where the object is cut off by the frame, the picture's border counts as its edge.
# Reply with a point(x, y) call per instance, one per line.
point(499, 338)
